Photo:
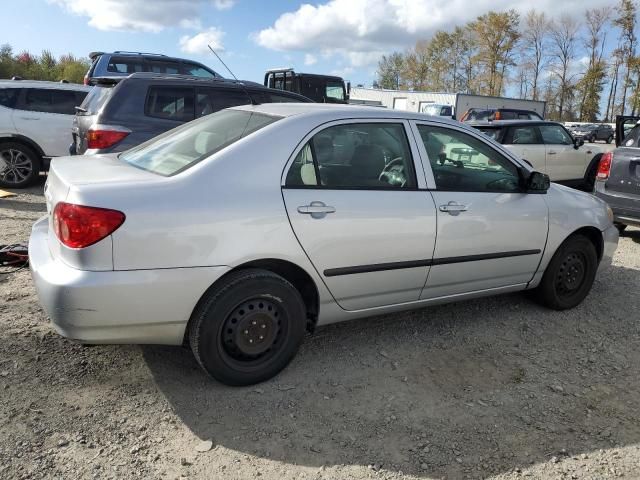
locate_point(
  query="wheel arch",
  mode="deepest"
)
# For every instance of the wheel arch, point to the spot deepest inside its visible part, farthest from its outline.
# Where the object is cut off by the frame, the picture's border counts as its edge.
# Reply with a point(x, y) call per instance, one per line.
point(16, 137)
point(594, 235)
point(294, 274)
point(593, 164)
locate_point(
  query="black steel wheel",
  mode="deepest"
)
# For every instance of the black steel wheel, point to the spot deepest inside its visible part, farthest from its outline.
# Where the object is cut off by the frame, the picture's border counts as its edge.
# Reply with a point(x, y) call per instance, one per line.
point(247, 328)
point(19, 165)
point(569, 275)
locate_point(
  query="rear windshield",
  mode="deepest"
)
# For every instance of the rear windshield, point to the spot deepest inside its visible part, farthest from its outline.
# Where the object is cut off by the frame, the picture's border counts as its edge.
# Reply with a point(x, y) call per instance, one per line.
point(632, 138)
point(185, 146)
point(95, 99)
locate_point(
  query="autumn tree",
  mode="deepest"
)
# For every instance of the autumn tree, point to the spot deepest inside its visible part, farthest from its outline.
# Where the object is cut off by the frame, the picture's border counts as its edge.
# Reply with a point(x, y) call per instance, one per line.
point(593, 81)
point(390, 70)
point(495, 35)
point(626, 22)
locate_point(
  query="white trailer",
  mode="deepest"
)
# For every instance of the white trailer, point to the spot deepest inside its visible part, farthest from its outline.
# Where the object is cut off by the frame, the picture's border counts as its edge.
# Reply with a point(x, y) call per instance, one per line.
point(447, 104)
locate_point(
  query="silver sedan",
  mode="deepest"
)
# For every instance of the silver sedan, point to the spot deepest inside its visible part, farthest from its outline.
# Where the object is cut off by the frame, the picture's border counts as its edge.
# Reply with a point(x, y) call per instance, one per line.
point(241, 231)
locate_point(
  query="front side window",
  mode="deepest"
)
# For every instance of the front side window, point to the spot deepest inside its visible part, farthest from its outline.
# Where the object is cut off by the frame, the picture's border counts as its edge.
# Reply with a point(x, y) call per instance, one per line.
point(463, 163)
point(334, 91)
point(50, 101)
point(355, 156)
point(555, 135)
point(185, 146)
point(171, 103)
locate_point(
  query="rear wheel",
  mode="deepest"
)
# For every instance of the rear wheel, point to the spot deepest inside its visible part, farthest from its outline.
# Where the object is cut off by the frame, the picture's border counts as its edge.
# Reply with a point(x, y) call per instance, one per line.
point(19, 165)
point(570, 274)
point(248, 328)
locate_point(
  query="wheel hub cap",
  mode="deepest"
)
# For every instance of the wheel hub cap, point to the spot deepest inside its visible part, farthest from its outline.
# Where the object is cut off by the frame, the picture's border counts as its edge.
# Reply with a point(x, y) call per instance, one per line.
point(571, 273)
point(15, 166)
point(252, 329)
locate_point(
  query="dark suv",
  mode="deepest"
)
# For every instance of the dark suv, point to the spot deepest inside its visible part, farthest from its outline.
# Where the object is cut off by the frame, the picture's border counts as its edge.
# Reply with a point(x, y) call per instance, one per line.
point(122, 64)
point(592, 132)
point(120, 114)
point(618, 177)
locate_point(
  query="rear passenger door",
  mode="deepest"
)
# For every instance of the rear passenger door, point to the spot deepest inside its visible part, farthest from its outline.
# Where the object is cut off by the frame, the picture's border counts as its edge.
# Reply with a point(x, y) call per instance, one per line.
point(526, 142)
point(46, 115)
point(361, 213)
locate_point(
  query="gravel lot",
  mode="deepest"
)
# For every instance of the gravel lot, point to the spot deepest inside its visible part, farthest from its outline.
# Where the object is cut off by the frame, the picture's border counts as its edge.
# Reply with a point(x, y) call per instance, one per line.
point(494, 388)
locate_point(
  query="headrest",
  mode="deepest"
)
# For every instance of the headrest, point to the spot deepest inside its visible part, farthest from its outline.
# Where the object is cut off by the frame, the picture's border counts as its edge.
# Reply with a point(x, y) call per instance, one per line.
point(367, 161)
point(206, 142)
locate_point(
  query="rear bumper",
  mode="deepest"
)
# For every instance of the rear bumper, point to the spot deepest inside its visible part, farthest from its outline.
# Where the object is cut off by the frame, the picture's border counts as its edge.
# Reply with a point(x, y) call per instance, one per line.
point(137, 306)
point(626, 210)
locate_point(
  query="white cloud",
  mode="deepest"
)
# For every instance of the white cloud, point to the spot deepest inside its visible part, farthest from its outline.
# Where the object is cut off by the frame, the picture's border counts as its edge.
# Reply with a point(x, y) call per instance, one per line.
point(198, 43)
point(223, 4)
point(310, 59)
point(361, 30)
point(141, 15)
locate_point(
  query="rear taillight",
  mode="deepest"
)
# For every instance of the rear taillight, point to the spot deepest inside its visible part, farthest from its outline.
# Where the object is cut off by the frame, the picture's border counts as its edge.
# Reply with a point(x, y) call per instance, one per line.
point(77, 226)
point(604, 167)
point(105, 136)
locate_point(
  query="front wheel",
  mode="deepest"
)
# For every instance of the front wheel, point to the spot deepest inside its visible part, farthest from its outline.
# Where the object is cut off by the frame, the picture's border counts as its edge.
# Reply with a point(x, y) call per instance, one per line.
point(610, 139)
point(248, 328)
point(570, 274)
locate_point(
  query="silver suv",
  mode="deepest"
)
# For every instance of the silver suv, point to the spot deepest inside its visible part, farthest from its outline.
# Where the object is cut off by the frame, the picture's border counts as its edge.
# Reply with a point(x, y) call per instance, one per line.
point(618, 177)
point(35, 122)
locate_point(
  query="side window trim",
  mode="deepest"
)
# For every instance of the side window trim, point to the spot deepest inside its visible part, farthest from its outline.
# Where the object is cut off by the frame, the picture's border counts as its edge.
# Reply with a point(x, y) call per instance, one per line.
point(426, 165)
point(411, 141)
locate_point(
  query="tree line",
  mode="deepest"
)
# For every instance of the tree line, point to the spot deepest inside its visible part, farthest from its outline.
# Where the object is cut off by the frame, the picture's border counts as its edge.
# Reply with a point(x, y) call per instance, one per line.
point(560, 60)
point(43, 67)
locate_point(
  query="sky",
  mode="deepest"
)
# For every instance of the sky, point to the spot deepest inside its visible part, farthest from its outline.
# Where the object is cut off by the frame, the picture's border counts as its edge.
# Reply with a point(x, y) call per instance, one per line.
point(340, 37)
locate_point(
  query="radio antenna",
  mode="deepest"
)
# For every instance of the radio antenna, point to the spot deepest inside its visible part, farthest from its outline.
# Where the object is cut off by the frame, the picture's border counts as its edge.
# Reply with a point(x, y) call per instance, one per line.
point(253, 102)
point(225, 65)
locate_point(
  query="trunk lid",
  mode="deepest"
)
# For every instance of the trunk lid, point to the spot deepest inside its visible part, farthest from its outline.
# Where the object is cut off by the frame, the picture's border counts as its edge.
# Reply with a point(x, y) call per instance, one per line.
point(624, 176)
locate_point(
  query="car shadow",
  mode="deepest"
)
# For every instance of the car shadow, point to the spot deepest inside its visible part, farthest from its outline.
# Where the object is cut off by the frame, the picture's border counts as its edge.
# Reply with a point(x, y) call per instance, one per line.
point(462, 390)
point(633, 234)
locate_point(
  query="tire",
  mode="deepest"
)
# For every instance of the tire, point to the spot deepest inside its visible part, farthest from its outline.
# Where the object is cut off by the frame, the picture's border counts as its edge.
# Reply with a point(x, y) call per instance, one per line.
point(248, 328)
point(610, 139)
point(21, 165)
point(590, 177)
point(570, 274)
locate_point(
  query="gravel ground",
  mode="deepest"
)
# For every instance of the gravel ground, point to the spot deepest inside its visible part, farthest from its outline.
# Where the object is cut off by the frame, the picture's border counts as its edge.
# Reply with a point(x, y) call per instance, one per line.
point(495, 388)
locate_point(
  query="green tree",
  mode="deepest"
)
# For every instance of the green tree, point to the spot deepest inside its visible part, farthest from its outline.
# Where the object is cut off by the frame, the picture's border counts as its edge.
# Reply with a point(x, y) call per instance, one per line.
point(390, 70)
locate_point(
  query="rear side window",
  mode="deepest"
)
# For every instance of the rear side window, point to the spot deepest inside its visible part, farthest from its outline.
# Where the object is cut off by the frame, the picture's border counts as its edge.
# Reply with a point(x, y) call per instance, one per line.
point(8, 97)
point(197, 70)
point(95, 99)
point(170, 103)
point(125, 65)
point(50, 101)
point(171, 68)
point(210, 100)
point(525, 135)
point(185, 146)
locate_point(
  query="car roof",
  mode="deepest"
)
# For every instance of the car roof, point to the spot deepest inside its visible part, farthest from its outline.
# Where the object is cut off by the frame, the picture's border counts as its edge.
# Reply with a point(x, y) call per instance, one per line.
point(506, 123)
point(42, 84)
point(332, 111)
point(183, 78)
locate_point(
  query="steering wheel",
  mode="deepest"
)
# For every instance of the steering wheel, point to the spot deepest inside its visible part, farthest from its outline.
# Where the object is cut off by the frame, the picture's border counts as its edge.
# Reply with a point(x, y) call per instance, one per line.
point(386, 174)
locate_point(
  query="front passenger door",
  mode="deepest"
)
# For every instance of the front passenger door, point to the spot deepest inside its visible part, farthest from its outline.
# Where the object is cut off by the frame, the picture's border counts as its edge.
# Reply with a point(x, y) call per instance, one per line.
point(564, 160)
point(491, 235)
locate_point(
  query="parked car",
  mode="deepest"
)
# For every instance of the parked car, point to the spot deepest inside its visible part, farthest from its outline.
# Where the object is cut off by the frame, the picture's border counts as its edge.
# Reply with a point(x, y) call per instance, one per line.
point(122, 64)
point(550, 148)
point(592, 132)
point(491, 114)
point(121, 114)
point(35, 118)
point(240, 230)
point(618, 179)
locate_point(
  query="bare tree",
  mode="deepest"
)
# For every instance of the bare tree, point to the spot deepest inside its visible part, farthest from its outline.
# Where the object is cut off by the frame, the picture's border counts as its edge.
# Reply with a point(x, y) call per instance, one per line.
point(535, 39)
point(627, 24)
point(564, 37)
point(592, 83)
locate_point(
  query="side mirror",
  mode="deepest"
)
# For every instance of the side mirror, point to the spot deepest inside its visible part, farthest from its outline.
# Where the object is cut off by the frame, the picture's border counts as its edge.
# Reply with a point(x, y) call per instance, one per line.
point(577, 143)
point(537, 183)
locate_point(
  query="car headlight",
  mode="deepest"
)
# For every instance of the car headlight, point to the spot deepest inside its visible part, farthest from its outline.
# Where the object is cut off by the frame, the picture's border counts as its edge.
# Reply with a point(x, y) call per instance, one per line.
point(610, 213)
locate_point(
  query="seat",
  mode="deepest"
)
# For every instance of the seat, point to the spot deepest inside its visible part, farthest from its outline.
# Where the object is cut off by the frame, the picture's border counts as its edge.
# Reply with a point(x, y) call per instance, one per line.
point(367, 163)
point(323, 149)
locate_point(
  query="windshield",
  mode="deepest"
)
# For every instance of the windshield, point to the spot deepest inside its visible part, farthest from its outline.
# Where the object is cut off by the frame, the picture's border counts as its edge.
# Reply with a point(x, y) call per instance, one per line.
point(185, 146)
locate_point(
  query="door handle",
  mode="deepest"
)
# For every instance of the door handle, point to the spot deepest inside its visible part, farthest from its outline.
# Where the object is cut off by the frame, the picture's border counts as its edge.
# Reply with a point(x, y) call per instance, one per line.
point(316, 209)
point(453, 208)
point(551, 152)
point(29, 118)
